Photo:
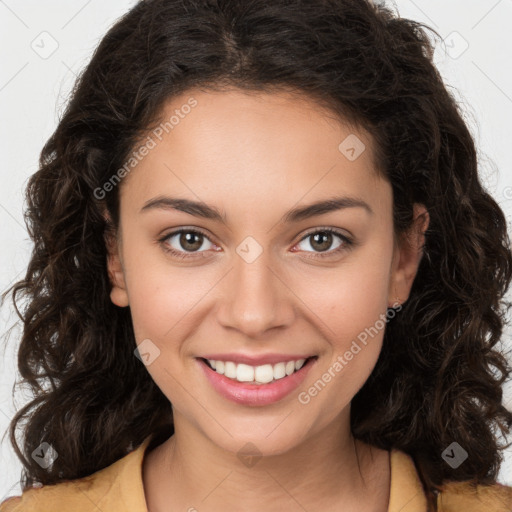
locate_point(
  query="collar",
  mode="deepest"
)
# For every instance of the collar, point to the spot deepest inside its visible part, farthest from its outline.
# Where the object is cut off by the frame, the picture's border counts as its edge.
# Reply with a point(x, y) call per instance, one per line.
point(406, 492)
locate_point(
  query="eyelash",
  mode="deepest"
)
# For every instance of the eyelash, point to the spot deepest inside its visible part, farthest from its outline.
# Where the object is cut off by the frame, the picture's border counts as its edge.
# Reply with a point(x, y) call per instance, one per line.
point(348, 243)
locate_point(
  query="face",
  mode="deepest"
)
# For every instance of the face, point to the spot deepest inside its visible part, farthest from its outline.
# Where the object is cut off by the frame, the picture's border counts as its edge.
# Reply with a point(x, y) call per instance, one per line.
point(254, 273)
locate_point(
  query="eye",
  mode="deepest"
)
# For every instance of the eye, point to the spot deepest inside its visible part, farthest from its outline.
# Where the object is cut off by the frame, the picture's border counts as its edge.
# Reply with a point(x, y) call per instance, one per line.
point(187, 243)
point(184, 242)
point(321, 241)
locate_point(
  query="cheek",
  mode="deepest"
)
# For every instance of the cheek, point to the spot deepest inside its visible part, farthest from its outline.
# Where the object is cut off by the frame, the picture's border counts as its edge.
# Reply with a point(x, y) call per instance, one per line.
point(350, 306)
point(161, 301)
point(348, 299)
point(161, 294)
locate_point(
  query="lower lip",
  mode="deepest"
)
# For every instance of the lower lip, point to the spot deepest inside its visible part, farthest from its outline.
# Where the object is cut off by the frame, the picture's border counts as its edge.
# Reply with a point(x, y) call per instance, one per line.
point(255, 394)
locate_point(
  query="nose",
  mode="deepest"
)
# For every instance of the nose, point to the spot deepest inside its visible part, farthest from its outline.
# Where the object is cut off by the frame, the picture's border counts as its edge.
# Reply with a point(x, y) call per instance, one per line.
point(255, 298)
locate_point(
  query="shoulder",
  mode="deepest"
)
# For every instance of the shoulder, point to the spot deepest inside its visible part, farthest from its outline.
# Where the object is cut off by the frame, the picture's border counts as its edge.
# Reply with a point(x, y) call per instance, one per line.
point(457, 496)
point(116, 487)
point(46, 498)
point(10, 504)
point(80, 495)
point(408, 493)
point(52, 497)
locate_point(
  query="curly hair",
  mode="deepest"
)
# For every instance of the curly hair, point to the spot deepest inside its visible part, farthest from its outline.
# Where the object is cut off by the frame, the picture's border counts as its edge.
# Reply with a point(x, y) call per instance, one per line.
point(439, 375)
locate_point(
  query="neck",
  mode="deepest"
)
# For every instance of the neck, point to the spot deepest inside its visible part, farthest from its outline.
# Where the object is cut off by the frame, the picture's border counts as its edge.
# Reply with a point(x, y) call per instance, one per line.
point(190, 472)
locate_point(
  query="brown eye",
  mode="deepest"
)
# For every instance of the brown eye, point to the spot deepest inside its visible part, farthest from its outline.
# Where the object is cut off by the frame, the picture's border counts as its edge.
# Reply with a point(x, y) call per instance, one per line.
point(324, 241)
point(185, 241)
point(321, 241)
point(190, 241)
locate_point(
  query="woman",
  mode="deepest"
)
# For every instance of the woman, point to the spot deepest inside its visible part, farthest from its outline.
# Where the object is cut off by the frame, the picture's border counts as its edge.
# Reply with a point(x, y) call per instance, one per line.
point(265, 275)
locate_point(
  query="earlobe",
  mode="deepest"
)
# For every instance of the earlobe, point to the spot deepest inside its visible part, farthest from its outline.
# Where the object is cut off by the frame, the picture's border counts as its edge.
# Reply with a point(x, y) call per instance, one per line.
point(118, 293)
point(408, 257)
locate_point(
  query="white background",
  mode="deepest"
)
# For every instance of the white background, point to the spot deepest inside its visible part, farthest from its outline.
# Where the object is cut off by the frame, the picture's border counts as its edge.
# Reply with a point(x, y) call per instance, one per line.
point(33, 90)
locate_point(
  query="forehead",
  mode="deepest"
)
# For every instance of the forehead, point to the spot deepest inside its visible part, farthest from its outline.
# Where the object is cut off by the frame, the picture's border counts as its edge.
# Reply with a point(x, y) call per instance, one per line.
point(267, 146)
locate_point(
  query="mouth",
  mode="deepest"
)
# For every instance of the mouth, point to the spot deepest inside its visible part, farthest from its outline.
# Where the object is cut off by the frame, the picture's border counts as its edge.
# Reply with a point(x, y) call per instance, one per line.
point(249, 391)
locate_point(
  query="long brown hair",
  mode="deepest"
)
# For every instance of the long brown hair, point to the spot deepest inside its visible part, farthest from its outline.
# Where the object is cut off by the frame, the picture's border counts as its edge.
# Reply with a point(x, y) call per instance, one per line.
point(440, 373)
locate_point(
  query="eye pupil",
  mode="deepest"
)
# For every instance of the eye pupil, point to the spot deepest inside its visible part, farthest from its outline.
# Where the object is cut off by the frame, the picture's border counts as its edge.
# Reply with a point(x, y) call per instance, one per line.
point(326, 240)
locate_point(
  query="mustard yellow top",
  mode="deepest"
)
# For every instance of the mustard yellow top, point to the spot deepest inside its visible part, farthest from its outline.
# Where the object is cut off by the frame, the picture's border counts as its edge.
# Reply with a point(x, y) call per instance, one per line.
point(119, 488)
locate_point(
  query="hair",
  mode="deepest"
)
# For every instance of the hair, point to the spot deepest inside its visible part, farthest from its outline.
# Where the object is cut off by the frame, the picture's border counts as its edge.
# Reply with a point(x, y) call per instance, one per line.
point(439, 375)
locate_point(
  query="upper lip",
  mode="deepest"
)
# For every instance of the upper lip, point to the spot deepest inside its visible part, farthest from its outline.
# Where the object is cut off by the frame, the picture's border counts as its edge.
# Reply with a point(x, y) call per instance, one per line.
point(256, 360)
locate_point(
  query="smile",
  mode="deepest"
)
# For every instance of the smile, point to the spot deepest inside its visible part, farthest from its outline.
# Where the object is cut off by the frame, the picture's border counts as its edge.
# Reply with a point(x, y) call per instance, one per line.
point(275, 385)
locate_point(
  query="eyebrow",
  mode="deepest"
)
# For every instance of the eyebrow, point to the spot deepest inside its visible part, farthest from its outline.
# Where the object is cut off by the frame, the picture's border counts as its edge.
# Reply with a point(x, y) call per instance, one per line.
point(299, 213)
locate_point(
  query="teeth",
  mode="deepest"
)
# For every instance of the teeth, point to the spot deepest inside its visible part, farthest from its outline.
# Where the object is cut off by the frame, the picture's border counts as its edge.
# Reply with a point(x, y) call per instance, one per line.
point(230, 369)
point(290, 367)
point(257, 374)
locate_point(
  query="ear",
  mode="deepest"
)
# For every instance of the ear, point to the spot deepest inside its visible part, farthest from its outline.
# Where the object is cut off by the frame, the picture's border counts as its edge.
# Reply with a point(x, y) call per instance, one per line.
point(407, 257)
point(118, 293)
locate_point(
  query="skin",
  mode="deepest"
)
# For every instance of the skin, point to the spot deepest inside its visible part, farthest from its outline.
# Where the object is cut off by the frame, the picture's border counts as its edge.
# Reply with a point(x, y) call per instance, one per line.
point(254, 157)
